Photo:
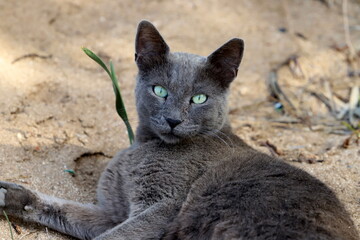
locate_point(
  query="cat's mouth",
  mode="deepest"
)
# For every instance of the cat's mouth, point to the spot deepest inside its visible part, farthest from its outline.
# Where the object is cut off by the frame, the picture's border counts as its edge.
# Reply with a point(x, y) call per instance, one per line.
point(173, 135)
point(176, 135)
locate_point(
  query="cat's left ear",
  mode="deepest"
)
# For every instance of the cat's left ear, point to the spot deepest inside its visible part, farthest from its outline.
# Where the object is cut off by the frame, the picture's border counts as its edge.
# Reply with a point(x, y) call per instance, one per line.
point(150, 48)
point(223, 64)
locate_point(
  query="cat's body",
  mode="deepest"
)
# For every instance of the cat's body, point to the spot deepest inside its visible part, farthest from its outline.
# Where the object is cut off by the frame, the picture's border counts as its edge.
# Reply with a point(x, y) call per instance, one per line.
point(187, 176)
point(257, 197)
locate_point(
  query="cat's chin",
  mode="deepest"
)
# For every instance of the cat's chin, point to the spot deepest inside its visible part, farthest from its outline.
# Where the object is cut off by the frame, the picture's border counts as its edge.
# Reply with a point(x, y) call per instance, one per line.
point(170, 138)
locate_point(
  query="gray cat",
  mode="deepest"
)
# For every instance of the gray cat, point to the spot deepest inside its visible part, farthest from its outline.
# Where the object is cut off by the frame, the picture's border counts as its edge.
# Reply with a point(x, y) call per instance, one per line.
point(187, 176)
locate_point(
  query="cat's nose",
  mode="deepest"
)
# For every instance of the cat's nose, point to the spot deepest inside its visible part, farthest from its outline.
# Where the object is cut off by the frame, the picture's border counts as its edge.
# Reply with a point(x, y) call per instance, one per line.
point(173, 122)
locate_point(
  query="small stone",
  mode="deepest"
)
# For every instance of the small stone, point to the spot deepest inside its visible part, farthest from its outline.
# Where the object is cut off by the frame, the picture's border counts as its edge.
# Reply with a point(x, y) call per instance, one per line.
point(20, 136)
point(282, 29)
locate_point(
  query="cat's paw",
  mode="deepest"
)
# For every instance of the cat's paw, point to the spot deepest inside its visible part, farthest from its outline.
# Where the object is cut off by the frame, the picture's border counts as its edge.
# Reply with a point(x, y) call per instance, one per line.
point(2, 196)
point(15, 199)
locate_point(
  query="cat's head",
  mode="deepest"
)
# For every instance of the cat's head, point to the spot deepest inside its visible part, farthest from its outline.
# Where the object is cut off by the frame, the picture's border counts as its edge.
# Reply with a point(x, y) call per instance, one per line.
point(181, 95)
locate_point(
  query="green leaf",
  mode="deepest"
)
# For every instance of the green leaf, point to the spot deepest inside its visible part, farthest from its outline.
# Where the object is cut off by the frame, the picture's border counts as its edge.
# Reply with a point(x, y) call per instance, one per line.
point(72, 172)
point(96, 59)
point(119, 104)
point(348, 126)
point(120, 107)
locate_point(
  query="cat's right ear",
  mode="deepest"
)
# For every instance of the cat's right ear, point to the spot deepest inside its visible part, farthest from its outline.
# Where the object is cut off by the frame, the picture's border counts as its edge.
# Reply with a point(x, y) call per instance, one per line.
point(223, 64)
point(150, 48)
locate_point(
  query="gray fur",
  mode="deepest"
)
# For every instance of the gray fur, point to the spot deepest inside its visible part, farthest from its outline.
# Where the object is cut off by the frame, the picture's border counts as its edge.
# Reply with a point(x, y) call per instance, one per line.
point(194, 179)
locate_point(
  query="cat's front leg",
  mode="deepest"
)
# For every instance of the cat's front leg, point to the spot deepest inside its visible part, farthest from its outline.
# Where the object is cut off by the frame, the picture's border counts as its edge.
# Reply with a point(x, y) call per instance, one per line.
point(149, 224)
point(83, 221)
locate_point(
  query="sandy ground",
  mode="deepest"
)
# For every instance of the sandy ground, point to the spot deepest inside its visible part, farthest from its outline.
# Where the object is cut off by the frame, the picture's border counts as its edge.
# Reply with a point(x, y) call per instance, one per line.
point(57, 106)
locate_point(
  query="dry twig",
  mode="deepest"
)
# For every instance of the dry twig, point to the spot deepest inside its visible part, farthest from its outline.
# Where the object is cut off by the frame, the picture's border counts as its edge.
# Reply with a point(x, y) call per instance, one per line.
point(31, 55)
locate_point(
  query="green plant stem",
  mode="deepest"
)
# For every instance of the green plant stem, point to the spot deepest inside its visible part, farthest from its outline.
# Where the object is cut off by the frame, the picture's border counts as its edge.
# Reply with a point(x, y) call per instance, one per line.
point(7, 219)
point(130, 132)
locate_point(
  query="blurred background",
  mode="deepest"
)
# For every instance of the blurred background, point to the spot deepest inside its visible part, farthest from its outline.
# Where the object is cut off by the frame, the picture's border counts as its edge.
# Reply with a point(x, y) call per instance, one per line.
point(296, 95)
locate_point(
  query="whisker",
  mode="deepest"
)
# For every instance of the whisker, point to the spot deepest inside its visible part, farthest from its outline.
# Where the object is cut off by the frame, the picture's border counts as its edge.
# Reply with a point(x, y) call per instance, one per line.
point(215, 134)
point(229, 138)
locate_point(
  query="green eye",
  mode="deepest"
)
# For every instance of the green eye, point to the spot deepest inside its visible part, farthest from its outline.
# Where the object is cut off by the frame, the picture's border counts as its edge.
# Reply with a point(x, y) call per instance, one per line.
point(160, 91)
point(199, 99)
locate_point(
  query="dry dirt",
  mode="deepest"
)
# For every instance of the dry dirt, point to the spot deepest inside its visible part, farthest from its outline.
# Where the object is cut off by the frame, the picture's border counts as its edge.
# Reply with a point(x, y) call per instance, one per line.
point(57, 105)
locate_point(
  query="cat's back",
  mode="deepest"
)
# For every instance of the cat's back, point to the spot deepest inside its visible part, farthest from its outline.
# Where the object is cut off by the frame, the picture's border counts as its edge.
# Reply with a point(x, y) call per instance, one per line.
point(254, 196)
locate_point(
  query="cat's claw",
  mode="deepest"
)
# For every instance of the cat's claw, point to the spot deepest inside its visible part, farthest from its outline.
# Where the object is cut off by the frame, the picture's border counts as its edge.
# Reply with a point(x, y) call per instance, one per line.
point(3, 191)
